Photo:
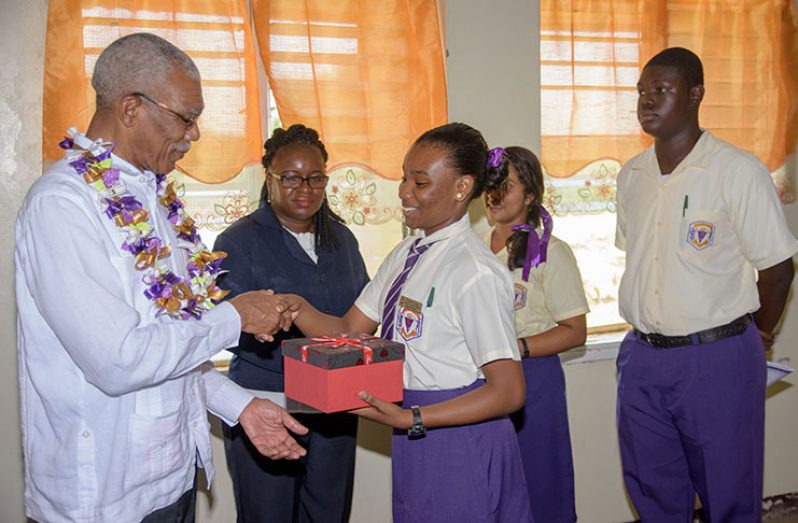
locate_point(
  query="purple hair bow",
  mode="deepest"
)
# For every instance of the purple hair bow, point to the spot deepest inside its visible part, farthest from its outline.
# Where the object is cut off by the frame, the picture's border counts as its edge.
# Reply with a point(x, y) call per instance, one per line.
point(495, 157)
point(536, 248)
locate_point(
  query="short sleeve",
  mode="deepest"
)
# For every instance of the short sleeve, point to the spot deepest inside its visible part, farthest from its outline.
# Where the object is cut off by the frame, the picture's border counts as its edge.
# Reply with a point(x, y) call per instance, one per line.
point(758, 220)
point(620, 216)
point(562, 284)
point(485, 310)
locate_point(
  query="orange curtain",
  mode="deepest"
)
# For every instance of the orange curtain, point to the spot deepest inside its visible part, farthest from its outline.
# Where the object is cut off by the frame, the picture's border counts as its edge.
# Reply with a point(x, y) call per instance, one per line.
point(592, 52)
point(750, 53)
point(368, 75)
point(215, 33)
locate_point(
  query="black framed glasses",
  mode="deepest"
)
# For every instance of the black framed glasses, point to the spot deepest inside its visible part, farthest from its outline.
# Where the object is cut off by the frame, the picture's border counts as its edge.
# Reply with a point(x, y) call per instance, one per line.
point(292, 181)
point(188, 122)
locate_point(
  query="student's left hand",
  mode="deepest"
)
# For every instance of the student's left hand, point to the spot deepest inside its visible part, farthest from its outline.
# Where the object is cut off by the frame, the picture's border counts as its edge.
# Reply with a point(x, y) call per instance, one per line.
point(384, 412)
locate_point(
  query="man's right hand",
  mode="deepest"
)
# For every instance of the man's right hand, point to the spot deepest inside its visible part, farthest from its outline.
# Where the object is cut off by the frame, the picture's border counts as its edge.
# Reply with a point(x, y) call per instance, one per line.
point(263, 313)
point(267, 426)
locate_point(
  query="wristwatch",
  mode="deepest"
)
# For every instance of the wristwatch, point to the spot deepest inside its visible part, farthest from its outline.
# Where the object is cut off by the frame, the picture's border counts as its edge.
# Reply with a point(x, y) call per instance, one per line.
point(417, 430)
point(525, 352)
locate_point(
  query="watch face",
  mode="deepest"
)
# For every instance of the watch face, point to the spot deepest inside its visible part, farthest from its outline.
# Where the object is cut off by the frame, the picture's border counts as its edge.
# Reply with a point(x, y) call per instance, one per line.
point(416, 432)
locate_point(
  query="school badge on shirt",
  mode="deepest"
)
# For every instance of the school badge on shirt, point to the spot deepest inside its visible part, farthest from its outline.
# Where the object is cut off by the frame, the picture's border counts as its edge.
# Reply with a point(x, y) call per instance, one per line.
point(701, 235)
point(519, 300)
point(410, 320)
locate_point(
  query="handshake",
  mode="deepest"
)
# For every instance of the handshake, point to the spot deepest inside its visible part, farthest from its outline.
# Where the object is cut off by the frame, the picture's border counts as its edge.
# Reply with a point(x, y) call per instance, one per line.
point(263, 313)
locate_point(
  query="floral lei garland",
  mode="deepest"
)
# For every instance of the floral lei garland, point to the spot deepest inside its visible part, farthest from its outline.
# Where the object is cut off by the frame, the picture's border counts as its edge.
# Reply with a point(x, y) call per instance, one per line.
point(179, 297)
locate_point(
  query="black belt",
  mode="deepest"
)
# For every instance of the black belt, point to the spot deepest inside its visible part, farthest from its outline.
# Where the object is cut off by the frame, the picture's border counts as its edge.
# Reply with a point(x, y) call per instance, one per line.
point(661, 341)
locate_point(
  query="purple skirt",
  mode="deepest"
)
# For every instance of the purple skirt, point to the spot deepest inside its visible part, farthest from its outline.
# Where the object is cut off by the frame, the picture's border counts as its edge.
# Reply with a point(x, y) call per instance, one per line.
point(466, 473)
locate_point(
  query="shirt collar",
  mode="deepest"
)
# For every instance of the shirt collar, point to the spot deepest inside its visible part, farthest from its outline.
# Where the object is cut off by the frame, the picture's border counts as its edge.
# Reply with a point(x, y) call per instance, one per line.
point(118, 162)
point(463, 224)
point(265, 216)
point(700, 156)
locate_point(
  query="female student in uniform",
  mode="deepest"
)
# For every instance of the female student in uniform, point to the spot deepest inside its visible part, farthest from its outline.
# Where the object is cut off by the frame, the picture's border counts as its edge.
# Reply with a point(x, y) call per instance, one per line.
point(449, 300)
point(292, 244)
point(550, 308)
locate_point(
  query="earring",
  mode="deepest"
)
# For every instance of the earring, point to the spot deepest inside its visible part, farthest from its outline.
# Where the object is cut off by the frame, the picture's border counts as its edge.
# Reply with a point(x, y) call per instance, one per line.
point(459, 196)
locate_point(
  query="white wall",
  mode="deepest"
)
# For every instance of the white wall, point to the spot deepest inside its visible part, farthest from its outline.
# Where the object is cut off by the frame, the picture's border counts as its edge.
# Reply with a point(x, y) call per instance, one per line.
point(492, 64)
point(22, 41)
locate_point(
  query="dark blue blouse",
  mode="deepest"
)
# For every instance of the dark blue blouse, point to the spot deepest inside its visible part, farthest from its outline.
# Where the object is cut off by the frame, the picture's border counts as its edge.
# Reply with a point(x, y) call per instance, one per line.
point(261, 254)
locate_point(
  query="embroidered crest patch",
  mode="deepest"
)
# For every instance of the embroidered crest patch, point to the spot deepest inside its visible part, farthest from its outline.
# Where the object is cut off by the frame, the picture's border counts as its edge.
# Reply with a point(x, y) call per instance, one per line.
point(409, 323)
point(519, 301)
point(701, 235)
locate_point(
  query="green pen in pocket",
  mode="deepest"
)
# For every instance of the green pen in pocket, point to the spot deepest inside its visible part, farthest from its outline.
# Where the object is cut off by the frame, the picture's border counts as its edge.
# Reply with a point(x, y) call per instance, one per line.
point(431, 297)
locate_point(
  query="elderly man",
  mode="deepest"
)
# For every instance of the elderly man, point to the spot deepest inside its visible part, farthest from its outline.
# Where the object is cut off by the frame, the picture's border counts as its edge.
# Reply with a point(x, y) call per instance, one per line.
point(117, 310)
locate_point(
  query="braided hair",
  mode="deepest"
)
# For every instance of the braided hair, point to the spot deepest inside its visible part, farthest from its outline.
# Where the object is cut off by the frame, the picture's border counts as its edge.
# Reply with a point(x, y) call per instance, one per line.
point(324, 232)
point(530, 174)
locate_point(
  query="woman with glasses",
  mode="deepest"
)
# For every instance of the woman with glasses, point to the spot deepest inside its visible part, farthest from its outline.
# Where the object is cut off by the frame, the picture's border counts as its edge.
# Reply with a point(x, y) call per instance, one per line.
point(292, 244)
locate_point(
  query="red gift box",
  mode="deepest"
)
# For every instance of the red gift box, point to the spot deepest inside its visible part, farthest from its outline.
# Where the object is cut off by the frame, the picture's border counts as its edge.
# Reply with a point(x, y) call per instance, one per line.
point(327, 372)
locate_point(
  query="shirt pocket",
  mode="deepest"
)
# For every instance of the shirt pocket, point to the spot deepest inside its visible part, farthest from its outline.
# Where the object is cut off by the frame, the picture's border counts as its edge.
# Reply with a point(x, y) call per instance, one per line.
point(158, 446)
point(703, 238)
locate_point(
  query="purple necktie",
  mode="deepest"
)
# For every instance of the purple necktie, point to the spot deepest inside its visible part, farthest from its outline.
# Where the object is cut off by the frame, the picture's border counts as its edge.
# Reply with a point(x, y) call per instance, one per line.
point(389, 310)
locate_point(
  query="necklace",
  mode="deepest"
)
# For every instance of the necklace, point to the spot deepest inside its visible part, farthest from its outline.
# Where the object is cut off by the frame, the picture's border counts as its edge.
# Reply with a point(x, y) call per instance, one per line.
point(179, 297)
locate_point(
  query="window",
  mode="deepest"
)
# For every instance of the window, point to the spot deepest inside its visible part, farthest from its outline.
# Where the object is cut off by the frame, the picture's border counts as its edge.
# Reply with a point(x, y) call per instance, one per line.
point(591, 53)
point(589, 62)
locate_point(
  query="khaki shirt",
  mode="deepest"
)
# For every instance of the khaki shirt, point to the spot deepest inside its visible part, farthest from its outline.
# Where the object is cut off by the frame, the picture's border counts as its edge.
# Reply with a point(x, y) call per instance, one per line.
point(694, 239)
point(553, 293)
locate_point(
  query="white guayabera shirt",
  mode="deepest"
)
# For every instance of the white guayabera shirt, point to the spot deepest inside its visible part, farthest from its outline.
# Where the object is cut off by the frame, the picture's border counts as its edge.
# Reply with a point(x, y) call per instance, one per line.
point(113, 398)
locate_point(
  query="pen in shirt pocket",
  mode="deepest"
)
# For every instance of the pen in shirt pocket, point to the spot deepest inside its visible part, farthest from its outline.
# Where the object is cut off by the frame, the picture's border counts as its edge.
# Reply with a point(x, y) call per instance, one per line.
point(684, 207)
point(431, 297)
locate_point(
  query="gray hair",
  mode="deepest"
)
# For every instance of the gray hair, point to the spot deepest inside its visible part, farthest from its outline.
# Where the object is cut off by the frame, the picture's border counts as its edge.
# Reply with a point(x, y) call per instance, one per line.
point(134, 63)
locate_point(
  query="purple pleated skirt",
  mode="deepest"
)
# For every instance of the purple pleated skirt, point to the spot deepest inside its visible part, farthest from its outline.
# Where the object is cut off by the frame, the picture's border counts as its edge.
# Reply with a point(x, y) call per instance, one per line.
point(466, 473)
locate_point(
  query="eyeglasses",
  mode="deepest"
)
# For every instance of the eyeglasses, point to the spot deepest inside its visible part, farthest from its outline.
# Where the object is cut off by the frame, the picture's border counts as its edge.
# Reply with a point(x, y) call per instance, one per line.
point(291, 181)
point(188, 122)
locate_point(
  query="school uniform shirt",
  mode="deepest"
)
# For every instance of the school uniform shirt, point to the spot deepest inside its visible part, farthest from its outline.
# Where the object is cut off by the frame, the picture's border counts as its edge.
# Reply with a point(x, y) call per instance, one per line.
point(113, 399)
point(455, 313)
point(553, 293)
point(694, 240)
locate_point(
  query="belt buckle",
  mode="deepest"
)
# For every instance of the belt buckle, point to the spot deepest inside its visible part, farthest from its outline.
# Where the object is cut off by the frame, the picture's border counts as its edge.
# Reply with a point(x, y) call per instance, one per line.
point(649, 338)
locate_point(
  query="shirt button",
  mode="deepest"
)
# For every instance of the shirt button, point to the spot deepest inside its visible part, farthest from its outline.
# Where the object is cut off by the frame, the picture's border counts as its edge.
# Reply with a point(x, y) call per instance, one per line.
point(86, 434)
point(195, 424)
point(322, 278)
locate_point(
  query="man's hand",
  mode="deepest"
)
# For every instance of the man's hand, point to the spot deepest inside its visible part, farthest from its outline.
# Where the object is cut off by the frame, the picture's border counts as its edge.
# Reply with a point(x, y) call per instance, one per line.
point(267, 426)
point(767, 339)
point(263, 313)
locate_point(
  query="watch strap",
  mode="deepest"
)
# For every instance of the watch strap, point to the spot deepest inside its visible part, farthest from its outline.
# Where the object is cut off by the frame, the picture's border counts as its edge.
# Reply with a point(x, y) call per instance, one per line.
point(417, 429)
point(525, 352)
